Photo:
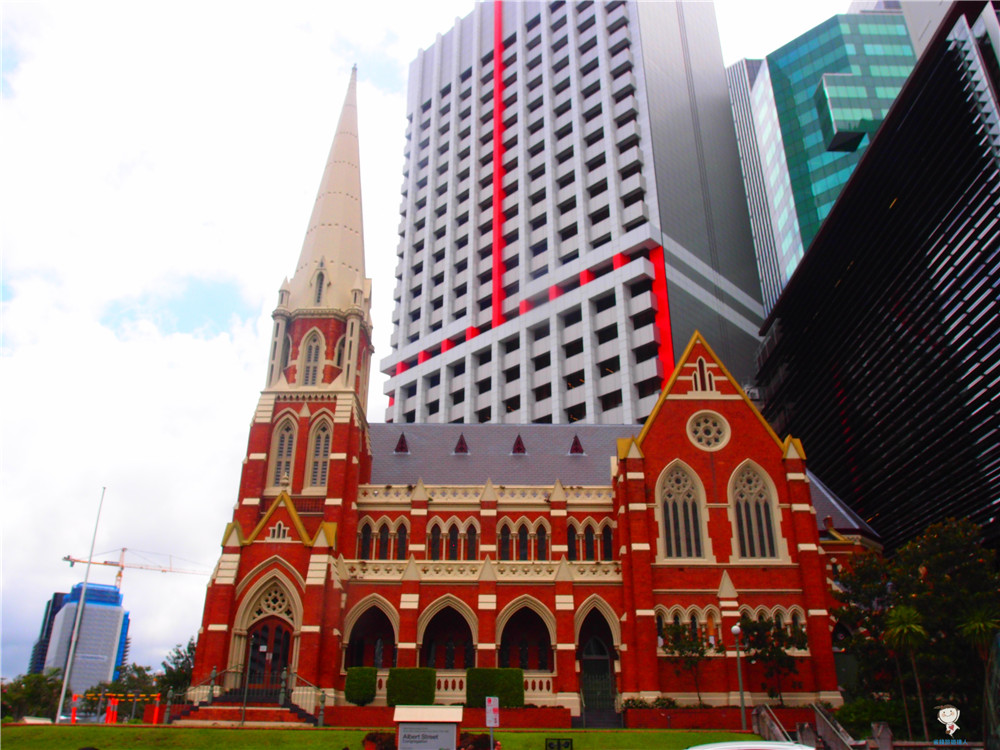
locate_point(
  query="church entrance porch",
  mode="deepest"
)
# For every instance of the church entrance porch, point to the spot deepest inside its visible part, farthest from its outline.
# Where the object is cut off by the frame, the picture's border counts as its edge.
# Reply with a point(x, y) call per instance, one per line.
point(268, 652)
point(597, 675)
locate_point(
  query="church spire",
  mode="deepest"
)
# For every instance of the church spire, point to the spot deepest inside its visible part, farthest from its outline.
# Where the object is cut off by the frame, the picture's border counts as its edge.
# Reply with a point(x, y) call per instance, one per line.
point(333, 253)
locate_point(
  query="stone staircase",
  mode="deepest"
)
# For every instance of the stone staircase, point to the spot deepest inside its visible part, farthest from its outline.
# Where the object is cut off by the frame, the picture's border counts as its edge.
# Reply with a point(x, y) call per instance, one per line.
point(227, 710)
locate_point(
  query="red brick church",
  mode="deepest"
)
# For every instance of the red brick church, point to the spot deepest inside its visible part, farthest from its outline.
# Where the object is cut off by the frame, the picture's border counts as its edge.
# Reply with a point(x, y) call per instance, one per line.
point(560, 549)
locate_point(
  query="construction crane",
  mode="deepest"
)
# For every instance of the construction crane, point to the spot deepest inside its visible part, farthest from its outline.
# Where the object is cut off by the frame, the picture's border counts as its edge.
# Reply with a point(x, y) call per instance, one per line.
point(121, 565)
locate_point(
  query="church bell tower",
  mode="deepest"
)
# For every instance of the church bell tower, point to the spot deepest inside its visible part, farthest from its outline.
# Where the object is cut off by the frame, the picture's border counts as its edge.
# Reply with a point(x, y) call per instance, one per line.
point(275, 596)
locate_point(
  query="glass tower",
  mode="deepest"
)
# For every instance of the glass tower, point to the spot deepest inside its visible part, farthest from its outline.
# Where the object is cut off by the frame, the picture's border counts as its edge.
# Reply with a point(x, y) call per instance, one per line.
point(806, 115)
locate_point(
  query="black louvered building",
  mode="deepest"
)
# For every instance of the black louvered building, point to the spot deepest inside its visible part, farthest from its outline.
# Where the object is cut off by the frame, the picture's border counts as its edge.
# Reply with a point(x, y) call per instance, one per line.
point(883, 352)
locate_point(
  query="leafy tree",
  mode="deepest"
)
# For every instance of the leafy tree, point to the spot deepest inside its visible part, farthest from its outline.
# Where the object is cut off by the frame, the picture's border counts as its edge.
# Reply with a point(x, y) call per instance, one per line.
point(769, 642)
point(950, 581)
point(689, 648)
point(905, 632)
point(32, 695)
point(177, 669)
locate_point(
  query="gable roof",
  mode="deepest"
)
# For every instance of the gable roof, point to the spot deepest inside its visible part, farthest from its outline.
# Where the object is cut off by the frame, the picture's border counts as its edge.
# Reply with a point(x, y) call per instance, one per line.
point(547, 457)
point(697, 341)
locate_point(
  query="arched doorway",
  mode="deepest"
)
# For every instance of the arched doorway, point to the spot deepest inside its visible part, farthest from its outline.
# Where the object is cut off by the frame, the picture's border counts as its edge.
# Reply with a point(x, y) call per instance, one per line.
point(525, 642)
point(269, 648)
point(596, 655)
point(447, 642)
point(372, 641)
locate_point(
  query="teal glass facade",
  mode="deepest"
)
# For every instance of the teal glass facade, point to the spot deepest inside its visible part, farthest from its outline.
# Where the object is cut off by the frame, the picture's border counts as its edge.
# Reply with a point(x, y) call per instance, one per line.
point(815, 103)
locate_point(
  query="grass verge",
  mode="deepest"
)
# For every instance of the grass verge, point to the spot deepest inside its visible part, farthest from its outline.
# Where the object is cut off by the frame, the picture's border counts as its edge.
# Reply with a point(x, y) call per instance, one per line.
point(197, 738)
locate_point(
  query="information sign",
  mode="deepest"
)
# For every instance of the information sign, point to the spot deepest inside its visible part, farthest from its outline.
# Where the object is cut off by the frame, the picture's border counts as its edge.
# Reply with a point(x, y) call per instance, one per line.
point(414, 736)
point(492, 711)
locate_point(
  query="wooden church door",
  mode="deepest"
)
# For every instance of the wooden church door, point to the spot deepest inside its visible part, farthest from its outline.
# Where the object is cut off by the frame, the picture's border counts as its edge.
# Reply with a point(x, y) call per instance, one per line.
point(269, 651)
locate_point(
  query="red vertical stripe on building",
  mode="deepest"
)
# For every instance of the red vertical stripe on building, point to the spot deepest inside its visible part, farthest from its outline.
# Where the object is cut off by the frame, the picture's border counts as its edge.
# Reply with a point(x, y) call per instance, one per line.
point(498, 175)
point(662, 311)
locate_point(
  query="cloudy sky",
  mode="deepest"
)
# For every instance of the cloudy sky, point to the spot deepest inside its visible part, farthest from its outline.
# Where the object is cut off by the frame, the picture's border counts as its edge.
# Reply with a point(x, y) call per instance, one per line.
point(159, 163)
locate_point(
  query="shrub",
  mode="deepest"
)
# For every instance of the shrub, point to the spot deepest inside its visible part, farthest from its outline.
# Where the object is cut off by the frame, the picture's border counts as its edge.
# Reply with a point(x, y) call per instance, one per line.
point(410, 687)
point(505, 684)
point(857, 716)
point(359, 688)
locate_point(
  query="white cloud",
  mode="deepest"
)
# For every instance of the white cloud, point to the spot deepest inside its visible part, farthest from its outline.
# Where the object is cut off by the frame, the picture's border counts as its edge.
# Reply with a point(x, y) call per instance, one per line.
point(145, 145)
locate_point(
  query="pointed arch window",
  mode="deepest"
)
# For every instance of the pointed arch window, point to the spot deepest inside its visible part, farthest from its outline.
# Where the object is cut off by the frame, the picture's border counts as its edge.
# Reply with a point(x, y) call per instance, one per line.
point(401, 542)
point(338, 353)
point(606, 543)
point(436, 543)
point(453, 546)
point(471, 550)
point(589, 544)
point(319, 288)
point(681, 521)
point(754, 527)
point(505, 543)
point(383, 542)
point(522, 543)
point(571, 552)
point(319, 456)
point(286, 347)
point(541, 544)
point(283, 450)
point(365, 547)
point(310, 371)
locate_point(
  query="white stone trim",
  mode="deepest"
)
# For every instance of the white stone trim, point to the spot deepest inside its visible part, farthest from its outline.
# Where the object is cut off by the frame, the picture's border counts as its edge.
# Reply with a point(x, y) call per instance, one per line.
point(807, 547)
point(309, 629)
point(564, 602)
point(801, 506)
point(641, 546)
point(565, 647)
point(333, 501)
point(488, 512)
point(645, 613)
point(487, 548)
point(251, 501)
point(417, 547)
point(793, 476)
point(817, 613)
point(257, 457)
point(560, 548)
point(409, 601)
point(418, 512)
point(222, 627)
point(338, 456)
point(558, 513)
point(487, 601)
point(487, 647)
point(637, 506)
point(407, 645)
point(634, 475)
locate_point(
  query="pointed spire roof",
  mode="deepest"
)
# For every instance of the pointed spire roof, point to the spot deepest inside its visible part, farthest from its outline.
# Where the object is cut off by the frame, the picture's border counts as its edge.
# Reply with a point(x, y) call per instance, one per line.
point(334, 242)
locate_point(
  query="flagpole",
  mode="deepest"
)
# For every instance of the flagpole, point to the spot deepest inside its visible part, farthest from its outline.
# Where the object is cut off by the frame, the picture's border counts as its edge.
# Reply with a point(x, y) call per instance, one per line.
point(79, 613)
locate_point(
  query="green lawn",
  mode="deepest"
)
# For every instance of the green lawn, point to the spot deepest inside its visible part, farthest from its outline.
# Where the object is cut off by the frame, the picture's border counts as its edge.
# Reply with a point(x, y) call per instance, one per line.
point(129, 737)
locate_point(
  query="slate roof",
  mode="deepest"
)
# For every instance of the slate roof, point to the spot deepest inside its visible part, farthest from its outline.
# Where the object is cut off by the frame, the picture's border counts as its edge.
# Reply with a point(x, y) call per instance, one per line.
point(547, 454)
point(845, 520)
point(431, 456)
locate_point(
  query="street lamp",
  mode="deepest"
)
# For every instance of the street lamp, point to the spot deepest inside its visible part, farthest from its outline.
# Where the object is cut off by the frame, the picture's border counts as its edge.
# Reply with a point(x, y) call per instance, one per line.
point(739, 676)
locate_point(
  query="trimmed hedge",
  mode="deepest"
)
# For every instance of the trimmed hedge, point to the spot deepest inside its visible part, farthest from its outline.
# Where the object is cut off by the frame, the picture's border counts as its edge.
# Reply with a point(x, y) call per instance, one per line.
point(505, 684)
point(359, 688)
point(410, 687)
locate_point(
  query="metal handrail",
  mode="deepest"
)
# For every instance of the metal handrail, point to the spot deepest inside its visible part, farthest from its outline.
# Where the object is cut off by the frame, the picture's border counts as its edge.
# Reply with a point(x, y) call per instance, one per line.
point(238, 669)
point(829, 730)
point(768, 726)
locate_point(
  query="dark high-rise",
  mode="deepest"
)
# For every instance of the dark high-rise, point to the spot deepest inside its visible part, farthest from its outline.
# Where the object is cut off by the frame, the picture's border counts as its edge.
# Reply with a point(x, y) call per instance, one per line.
point(883, 351)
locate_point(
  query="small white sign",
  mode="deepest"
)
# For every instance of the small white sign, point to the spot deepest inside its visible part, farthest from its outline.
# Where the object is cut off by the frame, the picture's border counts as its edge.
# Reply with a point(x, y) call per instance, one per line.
point(492, 711)
point(414, 736)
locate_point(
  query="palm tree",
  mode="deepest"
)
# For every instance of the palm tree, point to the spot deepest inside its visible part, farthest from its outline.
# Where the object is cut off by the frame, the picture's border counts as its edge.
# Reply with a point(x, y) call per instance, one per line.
point(905, 632)
point(979, 627)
